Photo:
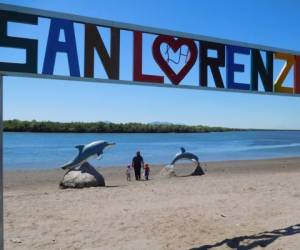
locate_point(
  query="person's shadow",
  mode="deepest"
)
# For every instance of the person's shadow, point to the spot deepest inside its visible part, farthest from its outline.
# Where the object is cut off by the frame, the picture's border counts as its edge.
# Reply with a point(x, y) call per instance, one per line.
point(248, 242)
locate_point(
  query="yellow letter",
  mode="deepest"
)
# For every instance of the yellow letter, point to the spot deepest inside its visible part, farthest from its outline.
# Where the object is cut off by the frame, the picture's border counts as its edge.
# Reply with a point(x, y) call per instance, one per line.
point(284, 72)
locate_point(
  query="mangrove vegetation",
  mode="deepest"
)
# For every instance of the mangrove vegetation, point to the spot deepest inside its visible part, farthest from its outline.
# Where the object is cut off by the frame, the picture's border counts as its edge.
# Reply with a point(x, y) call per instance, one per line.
point(105, 127)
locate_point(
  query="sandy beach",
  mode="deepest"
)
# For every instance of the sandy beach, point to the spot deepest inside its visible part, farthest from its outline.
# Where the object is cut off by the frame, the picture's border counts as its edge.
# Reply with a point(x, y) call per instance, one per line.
point(236, 205)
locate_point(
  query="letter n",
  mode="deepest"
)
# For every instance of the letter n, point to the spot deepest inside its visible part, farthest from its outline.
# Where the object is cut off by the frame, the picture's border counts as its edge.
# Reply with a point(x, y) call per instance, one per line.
point(94, 41)
point(258, 68)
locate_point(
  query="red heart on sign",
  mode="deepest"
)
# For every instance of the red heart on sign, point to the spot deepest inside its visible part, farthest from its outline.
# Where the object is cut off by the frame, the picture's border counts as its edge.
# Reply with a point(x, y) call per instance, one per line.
point(174, 44)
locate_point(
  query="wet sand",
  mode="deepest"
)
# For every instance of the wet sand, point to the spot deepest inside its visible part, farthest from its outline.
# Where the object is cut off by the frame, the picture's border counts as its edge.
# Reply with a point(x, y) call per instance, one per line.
point(236, 205)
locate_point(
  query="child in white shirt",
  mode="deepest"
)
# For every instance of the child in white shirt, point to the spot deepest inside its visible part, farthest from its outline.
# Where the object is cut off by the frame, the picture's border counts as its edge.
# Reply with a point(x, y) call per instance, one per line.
point(128, 173)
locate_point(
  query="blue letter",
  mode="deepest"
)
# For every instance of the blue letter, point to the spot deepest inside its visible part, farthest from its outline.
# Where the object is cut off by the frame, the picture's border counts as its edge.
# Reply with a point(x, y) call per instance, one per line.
point(54, 46)
point(232, 67)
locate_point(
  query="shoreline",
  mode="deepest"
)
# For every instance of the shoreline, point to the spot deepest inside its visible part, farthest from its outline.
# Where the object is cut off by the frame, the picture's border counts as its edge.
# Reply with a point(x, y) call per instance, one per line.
point(115, 175)
point(5, 170)
point(235, 202)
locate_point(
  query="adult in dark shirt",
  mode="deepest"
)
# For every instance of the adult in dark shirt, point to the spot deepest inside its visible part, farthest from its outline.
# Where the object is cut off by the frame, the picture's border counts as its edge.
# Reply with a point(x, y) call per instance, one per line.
point(137, 164)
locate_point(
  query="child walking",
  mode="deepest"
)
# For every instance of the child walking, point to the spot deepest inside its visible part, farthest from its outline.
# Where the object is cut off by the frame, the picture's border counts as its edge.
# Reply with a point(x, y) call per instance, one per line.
point(128, 173)
point(147, 171)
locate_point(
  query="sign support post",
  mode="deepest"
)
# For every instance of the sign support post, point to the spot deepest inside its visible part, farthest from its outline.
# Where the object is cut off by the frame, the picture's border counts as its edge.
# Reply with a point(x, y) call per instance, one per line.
point(1, 165)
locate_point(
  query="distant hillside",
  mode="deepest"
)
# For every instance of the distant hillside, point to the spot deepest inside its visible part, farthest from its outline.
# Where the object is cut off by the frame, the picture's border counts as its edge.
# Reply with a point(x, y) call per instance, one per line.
point(105, 127)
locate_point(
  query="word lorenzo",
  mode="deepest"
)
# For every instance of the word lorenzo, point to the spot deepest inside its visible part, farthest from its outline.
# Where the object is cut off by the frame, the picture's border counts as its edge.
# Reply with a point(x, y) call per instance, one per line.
point(261, 65)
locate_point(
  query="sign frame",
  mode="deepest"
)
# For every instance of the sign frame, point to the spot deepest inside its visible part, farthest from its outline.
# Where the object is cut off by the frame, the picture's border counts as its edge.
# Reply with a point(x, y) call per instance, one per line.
point(144, 29)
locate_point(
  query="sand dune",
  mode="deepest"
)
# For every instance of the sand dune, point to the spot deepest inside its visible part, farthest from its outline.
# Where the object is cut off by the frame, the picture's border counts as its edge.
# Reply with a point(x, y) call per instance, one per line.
point(255, 204)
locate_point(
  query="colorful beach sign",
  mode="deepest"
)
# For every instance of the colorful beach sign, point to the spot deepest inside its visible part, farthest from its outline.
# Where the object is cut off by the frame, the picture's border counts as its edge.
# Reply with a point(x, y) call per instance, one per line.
point(175, 55)
point(98, 50)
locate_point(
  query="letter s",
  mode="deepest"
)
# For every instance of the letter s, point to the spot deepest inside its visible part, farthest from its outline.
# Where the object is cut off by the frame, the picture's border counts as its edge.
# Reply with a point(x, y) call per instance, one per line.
point(30, 45)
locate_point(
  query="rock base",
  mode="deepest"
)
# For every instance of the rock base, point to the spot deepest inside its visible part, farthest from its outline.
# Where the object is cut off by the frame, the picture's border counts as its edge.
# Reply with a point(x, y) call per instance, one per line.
point(85, 176)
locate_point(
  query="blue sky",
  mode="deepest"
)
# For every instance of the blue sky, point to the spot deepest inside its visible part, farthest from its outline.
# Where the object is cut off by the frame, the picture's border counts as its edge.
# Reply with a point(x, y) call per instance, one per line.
point(271, 23)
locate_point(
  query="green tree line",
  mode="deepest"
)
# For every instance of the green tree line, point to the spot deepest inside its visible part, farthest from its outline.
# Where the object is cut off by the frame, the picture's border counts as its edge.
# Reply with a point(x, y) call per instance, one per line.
point(105, 127)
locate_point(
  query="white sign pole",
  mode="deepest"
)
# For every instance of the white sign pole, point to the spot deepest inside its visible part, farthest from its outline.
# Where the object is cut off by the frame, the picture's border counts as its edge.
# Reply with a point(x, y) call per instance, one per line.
point(1, 166)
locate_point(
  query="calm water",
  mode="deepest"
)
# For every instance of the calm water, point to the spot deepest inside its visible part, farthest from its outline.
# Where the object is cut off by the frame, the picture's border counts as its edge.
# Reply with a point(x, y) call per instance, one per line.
point(50, 150)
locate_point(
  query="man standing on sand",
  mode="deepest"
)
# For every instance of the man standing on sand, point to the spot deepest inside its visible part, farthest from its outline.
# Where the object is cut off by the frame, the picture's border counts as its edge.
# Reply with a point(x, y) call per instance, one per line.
point(137, 164)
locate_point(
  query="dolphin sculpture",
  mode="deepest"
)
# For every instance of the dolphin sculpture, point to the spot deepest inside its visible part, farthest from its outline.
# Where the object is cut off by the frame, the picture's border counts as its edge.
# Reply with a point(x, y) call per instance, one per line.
point(183, 155)
point(87, 152)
